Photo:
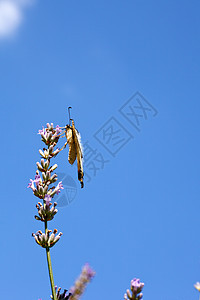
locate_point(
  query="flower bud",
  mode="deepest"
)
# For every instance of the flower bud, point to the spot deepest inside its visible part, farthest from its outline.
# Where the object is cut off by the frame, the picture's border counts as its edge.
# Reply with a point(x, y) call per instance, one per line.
point(56, 239)
point(37, 194)
point(54, 178)
point(49, 136)
point(44, 137)
point(48, 175)
point(51, 239)
point(45, 189)
point(39, 166)
point(53, 167)
point(36, 238)
point(51, 149)
point(128, 294)
point(41, 190)
point(46, 153)
point(46, 164)
point(42, 162)
point(55, 152)
point(41, 153)
point(125, 297)
point(44, 176)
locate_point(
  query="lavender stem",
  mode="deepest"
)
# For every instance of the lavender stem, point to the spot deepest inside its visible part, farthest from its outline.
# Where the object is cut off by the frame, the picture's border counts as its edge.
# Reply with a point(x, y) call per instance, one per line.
point(50, 268)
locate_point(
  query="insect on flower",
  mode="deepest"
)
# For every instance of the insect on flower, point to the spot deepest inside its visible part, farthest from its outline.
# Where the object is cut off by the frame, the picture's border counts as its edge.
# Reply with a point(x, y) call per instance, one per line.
point(75, 148)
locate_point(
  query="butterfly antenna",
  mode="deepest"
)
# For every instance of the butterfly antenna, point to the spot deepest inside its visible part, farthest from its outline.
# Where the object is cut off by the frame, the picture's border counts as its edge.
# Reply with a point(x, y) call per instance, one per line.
point(69, 113)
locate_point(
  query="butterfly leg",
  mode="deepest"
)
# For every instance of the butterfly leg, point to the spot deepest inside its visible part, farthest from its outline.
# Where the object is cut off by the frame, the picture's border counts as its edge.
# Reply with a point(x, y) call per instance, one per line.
point(65, 145)
point(62, 133)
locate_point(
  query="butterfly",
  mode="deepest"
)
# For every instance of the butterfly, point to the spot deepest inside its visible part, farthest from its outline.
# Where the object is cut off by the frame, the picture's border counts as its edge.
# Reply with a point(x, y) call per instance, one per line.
point(75, 148)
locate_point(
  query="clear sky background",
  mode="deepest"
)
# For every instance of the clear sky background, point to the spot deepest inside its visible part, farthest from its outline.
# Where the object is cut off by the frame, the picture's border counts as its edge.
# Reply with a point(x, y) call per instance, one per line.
point(138, 216)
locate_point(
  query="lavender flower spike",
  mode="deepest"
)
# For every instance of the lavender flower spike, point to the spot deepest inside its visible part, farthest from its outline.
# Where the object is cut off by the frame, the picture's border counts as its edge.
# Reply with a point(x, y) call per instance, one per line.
point(42, 188)
point(85, 277)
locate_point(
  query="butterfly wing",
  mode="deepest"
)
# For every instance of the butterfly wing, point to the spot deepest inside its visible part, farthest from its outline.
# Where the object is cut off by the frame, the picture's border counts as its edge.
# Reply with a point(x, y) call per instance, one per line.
point(72, 147)
point(72, 153)
point(79, 153)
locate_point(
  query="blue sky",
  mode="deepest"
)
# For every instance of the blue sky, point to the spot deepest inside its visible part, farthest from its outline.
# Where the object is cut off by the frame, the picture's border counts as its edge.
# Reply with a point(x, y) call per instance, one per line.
point(139, 214)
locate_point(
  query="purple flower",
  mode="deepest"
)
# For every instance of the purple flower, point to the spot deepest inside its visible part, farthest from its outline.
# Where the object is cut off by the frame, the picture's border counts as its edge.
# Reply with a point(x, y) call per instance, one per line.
point(58, 188)
point(58, 129)
point(87, 270)
point(136, 286)
point(47, 199)
point(37, 180)
point(42, 131)
point(31, 185)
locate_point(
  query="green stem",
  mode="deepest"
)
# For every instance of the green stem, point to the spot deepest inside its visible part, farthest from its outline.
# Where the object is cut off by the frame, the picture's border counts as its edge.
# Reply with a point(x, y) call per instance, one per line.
point(50, 268)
